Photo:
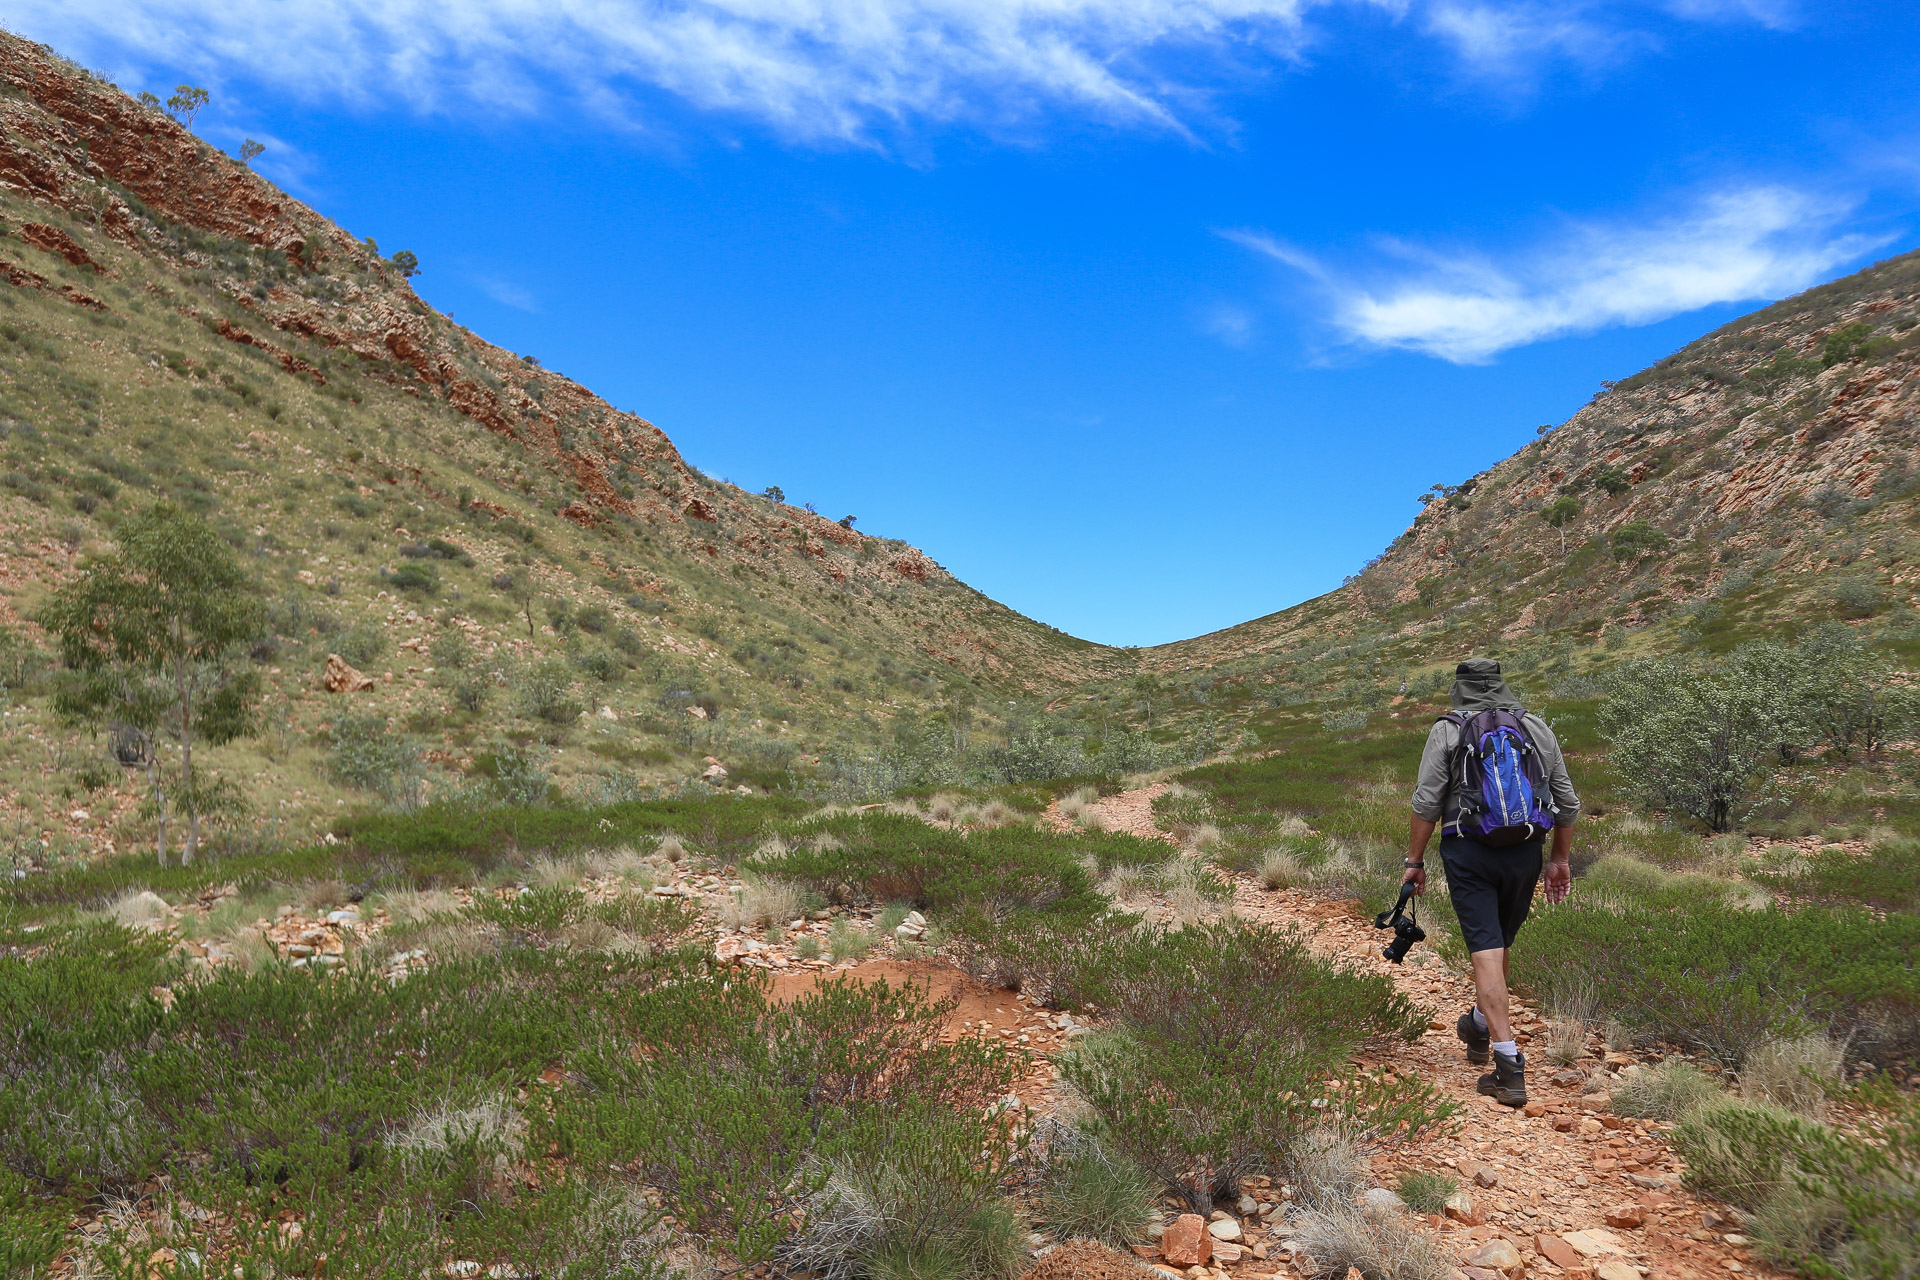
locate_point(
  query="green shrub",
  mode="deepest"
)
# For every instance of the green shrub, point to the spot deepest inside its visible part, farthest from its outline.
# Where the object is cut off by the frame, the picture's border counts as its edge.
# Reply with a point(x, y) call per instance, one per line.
point(414, 576)
point(451, 650)
point(1426, 1192)
point(546, 692)
point(1691, 739)
point(1634, 539)
point(368, 754)
point(601, 665)
point(363, 643)
point(1202, 1080)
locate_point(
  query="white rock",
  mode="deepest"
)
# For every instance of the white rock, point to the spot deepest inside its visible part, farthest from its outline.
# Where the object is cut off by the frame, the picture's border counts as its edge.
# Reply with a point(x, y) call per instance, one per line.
point(1225, 1229)
point(1248, 1205)
point(1382, 1198)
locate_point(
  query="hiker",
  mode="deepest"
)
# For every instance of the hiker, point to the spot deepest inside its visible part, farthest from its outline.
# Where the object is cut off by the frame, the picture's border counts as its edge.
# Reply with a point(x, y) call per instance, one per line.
point(1492, 778)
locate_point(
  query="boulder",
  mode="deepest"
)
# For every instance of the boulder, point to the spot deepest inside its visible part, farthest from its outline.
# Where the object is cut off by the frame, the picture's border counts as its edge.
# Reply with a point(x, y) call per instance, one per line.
point(1187, 1242)
point(340, 677)
point(1460, 1208)
point(1497, 1255)
point(1626, 1215)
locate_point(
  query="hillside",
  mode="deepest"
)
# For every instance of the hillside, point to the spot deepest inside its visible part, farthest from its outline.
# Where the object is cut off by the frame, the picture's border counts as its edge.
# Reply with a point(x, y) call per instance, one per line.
point(1757, 482)
point(174, 325)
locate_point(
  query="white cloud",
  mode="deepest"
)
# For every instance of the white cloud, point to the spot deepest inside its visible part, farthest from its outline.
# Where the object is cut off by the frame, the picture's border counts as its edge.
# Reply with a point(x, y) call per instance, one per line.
point(506, 293)
point(1231, 324)
point(812, 69)
point(1737, 246)
point(1510, 39)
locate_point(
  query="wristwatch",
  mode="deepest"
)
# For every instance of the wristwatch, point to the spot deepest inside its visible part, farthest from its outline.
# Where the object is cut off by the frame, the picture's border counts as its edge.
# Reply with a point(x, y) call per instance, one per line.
point(1416, 866)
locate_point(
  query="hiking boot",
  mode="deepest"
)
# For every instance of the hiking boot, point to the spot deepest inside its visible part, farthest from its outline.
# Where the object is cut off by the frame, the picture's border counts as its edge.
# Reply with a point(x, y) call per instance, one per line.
point(1506, 1084)
point(1474, 1038)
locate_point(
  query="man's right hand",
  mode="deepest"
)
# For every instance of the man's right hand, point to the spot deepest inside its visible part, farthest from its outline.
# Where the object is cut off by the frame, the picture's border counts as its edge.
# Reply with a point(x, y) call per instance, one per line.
point(1559, 879)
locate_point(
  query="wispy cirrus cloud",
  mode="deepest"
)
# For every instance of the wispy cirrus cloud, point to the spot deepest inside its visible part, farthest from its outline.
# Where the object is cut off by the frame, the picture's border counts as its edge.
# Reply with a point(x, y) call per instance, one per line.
point(506, 293)
point(809, 69)
point(1738, 245)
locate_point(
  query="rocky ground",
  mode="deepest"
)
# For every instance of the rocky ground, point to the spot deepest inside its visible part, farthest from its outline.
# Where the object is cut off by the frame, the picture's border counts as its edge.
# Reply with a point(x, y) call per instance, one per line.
point(1563, 1188)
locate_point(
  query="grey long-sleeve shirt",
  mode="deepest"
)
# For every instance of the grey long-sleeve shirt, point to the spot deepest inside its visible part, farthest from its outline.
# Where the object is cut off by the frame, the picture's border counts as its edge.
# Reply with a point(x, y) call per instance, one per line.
point(1433, 791)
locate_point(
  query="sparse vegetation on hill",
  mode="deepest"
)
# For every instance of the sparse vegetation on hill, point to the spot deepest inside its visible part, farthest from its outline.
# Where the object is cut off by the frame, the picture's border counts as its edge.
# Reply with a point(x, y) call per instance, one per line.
point(523, 749)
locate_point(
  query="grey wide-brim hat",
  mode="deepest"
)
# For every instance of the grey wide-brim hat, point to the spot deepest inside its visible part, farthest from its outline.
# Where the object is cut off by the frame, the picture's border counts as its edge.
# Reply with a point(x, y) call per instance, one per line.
point(1478, 686)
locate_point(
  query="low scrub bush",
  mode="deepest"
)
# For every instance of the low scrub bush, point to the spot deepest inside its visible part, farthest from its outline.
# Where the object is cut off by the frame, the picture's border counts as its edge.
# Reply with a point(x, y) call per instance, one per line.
point(1844, 1206)
point(1887, 877)
point(369, 755)
point(1682, 966)
point(1201, 1080)
point(738, 1109)
point(884, 857)
point(388, 1129)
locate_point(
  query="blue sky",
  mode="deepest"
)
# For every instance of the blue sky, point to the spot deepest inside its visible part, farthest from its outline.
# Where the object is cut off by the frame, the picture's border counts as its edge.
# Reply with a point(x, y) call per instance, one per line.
point(1143, 316)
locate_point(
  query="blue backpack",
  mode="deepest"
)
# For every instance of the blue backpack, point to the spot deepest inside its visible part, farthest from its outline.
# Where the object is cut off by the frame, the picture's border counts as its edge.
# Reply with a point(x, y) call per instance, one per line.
point(1496, 775)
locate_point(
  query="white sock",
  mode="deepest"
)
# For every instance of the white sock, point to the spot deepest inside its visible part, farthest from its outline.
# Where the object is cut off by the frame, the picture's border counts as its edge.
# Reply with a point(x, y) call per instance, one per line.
point(1508, 1047)
point(1479, 1018)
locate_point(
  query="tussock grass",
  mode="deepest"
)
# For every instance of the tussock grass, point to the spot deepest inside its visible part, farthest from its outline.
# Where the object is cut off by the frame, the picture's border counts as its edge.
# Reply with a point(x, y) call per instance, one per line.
point(1566, 1041)
point(1794, 1074)
point(138, 907)
point(1666, 1091)
point(1088, 1192)
point(1280, 869)
point(1328, 1166)
point(849, 941)
point(761, 902)
point(1382, 1245)
point(1425, 1191)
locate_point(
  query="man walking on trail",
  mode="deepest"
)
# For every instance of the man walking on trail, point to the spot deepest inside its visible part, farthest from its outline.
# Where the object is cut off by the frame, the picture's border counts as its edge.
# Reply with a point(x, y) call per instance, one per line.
point(1493, 779)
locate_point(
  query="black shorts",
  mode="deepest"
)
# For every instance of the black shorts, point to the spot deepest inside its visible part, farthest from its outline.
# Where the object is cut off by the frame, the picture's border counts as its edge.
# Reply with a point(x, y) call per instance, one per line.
point(1492, 889)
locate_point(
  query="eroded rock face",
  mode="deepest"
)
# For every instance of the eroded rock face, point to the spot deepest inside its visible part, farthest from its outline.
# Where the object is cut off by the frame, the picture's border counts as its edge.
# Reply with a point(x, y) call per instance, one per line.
point(341, 677)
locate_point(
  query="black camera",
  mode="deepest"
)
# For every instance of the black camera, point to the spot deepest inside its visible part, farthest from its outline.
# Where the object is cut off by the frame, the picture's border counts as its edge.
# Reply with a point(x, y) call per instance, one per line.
point(1405, 922)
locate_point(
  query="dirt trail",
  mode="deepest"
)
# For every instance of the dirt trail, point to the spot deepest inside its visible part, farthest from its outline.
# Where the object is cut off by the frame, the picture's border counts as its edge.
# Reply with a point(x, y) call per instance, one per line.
point(1578, 1191)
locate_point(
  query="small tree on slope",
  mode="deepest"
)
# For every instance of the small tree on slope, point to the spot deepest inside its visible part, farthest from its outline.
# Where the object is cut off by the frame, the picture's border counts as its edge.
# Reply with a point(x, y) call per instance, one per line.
point(153, 638)
point(1690, 739)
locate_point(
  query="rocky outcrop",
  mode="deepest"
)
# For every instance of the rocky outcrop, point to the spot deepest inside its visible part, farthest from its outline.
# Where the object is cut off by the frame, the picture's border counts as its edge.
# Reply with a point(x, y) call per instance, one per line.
point(340, 677)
